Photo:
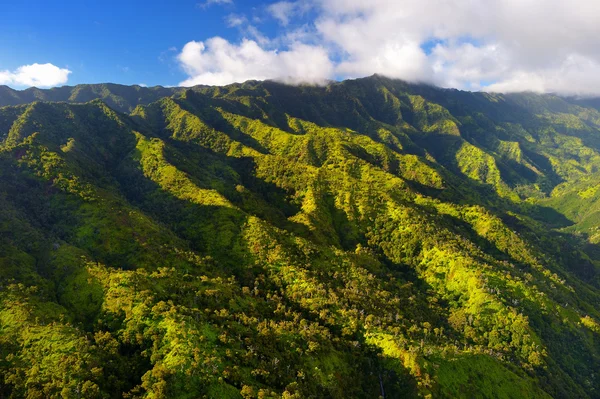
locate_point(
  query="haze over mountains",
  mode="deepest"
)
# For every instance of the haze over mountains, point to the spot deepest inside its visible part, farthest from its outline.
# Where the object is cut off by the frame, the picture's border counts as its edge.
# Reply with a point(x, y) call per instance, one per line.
point(368, 238)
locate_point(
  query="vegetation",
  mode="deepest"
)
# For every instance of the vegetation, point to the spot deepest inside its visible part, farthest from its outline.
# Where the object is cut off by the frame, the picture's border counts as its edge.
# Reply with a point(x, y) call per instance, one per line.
point(366, 239)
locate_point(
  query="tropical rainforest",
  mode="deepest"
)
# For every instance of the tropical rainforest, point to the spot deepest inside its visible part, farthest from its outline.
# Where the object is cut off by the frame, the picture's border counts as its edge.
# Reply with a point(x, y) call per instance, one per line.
point(370, 238)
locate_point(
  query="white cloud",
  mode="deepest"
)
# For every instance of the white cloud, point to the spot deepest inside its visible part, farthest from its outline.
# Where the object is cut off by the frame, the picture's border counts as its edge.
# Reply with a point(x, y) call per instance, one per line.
point(576, 75)
point(218, 62)
point(285, 11)
point(282, 11)
point(39, 75)
point(467, 65)
point(246, 28)
point(234, 20)
point(540, 45)
point(252, 32)
point(505, 45)
point(209, 3)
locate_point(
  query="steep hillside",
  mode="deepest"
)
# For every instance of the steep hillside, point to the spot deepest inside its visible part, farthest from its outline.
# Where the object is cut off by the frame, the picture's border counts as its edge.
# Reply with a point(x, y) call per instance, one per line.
point(369, 238)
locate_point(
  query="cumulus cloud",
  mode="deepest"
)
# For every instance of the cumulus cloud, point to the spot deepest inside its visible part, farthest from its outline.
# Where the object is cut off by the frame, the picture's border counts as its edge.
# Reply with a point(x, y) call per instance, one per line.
point(218, 62)
point(500, 45)
point(39, 75)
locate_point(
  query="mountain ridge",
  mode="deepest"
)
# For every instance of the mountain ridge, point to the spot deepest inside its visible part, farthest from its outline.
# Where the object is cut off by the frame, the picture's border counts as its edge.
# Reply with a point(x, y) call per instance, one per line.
point(122, 97)
point(10, 96)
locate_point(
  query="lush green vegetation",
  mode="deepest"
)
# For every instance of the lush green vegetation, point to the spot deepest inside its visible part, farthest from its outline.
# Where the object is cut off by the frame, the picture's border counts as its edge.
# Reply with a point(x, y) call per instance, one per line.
point(370, 238)
point(118, 97)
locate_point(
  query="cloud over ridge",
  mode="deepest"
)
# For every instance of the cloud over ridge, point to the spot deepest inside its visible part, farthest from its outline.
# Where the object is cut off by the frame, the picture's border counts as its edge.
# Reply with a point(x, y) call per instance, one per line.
point(219, 62)
point(500, 45)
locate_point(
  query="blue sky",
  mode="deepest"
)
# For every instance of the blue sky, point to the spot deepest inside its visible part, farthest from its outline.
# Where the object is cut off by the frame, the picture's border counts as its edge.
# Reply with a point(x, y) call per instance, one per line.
point(493, 45)
point(125, 41)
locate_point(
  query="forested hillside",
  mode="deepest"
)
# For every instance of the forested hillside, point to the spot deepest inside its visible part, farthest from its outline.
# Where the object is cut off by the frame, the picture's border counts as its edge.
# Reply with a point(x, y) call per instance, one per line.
point(118, 97)
point(369, 238)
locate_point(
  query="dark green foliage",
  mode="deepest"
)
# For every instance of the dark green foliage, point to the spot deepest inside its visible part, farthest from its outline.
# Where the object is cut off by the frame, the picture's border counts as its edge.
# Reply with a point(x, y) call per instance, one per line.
point(259, 240)
point(121, 98)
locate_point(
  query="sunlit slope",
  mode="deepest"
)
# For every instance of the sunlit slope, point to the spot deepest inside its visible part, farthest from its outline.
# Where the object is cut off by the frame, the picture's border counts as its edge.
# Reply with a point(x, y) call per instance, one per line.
point(261, 240)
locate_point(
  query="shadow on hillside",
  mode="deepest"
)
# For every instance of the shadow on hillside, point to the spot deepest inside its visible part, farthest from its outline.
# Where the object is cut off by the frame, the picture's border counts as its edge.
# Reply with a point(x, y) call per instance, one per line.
point(466, 192)
point(206, 109)
point(212, 229)
point(218, 231)
point(589, 139)
point(242, 188)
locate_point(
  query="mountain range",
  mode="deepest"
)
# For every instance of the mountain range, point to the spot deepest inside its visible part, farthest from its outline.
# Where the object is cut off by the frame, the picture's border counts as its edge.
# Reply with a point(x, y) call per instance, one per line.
point(370, 238)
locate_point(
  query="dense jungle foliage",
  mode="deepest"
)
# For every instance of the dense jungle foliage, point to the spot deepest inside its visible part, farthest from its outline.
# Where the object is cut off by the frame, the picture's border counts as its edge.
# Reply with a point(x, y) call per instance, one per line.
point(367, 239)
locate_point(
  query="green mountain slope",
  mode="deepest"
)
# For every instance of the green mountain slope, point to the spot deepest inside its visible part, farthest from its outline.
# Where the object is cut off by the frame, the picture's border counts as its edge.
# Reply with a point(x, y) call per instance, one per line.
point(119, 97)
point(369, 238)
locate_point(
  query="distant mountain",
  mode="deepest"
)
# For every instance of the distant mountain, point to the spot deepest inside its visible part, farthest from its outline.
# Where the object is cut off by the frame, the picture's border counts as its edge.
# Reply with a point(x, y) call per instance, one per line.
point(371, 238)
point(119, 97)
